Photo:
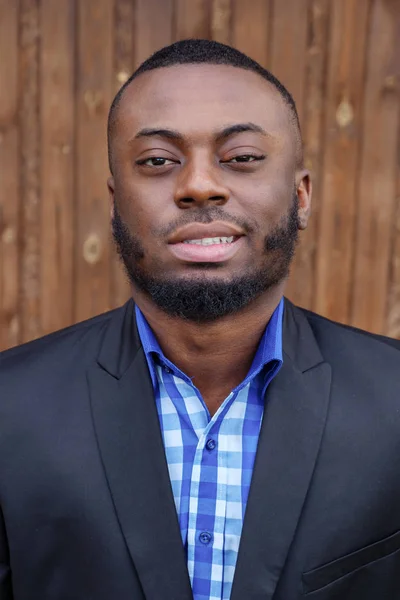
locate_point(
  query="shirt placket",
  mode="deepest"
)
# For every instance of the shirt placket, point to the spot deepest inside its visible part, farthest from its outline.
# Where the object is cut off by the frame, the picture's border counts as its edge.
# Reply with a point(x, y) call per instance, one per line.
point(206, 517)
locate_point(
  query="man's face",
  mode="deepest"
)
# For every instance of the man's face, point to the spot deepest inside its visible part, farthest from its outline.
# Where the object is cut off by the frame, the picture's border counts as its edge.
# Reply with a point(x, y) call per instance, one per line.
point(205, 191)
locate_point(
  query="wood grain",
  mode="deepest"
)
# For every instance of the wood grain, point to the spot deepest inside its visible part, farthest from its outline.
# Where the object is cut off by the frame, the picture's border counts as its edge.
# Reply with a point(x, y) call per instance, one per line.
point(57, 163)
point(192, 19)
point(61, 64)
point(392, 324)
point(221, 21)
point(289, 62)
point(343, 126)
point(10, 315)
point(301, 287)
point(251, 24)
point(30, 169)
point(124, 40)
point(94, 94)
point(154, 21)
point(289, 47)
point(377, 177)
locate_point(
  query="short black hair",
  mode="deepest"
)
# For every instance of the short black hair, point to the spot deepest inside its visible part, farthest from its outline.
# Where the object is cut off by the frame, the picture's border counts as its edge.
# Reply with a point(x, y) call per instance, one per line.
point(197, 51)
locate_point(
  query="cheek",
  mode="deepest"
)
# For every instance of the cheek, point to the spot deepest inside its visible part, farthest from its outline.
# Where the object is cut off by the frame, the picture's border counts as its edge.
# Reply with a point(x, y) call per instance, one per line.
point(267, 202)
point(141, 209)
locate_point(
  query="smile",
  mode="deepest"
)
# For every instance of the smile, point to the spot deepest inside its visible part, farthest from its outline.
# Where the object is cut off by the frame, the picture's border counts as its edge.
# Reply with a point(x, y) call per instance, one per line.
point(211, 241)
point(212, 250)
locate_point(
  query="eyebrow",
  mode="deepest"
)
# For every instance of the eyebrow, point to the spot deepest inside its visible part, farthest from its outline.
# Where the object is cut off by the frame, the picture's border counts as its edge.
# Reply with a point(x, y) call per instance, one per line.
point(239, 128)
point(219, 135)
point(166, 133)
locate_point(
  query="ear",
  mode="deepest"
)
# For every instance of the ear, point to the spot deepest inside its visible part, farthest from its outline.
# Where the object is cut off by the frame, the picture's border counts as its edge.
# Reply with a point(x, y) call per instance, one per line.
point(304, 193)
point(111, 190)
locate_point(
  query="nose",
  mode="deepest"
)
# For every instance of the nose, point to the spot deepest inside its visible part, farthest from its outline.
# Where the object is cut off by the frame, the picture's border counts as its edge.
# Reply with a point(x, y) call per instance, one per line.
point(199, 184)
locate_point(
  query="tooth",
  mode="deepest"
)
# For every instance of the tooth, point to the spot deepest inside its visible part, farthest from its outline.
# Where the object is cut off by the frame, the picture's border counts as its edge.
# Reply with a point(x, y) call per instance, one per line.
point(210, 241)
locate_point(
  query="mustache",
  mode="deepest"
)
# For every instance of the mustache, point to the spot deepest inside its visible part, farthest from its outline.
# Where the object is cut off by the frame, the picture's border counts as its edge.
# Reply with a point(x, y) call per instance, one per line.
point(205, 216)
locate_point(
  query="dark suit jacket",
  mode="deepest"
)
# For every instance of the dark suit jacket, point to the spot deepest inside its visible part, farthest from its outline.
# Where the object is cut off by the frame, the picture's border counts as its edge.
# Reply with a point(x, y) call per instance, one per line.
point(87, 511)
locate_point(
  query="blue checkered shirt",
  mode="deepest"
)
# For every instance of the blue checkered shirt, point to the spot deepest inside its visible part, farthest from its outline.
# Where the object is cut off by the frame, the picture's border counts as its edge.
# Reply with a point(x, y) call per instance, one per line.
point(210, 459)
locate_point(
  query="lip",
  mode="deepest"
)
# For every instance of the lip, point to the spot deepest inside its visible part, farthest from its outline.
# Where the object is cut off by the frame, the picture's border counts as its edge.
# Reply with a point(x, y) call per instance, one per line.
point(197, 231)
point(213, 253)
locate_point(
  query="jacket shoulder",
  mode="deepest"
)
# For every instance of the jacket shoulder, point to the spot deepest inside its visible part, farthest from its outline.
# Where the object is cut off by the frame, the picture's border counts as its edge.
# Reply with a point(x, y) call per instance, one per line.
point(324, 327)
point(362, 364)
point(56, 346)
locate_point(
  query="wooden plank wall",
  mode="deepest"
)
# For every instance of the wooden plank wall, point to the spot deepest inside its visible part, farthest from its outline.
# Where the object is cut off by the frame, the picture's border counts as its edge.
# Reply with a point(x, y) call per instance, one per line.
point(61, 62)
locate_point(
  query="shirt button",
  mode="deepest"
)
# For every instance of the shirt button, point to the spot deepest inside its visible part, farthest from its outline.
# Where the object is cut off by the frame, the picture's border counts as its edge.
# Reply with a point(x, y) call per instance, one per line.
point(167, 369)
point(210, 444)
point(205, 537)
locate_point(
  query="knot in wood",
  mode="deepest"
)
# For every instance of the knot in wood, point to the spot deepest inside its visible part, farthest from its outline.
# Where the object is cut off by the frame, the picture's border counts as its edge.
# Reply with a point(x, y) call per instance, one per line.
point(391, 83)
point(344, 114)
point(93, 100)
point(122, 76)
point(8, 236)
point(92, 249)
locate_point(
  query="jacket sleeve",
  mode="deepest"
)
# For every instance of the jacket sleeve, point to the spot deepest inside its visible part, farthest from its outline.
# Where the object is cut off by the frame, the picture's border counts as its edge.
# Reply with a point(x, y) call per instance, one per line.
point(5, 571)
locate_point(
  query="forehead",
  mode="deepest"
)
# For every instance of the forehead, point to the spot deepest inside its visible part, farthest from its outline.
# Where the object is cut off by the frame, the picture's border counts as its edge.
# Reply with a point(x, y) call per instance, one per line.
point(201, 99)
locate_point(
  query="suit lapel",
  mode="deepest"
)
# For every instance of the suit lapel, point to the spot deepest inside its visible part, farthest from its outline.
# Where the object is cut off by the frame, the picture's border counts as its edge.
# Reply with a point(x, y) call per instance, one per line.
point(294, 419)
point(132, 451)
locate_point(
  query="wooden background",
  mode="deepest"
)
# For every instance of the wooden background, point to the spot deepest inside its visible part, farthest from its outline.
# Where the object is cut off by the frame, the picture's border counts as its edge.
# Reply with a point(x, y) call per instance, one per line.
point(61, 62)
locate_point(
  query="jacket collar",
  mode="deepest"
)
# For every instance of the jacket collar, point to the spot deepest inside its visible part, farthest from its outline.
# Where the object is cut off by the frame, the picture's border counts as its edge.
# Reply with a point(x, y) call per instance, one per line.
point(121, 341)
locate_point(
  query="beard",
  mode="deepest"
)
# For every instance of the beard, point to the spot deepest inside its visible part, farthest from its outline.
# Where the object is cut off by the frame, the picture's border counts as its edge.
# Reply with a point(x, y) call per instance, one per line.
point(199, 298)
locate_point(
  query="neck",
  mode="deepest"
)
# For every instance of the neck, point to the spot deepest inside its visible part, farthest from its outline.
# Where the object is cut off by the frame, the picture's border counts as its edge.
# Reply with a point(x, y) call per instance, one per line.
point(217, 355)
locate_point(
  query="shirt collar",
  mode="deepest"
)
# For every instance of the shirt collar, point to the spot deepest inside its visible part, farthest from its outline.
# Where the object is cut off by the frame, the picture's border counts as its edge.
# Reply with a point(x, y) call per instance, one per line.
point(269, 351)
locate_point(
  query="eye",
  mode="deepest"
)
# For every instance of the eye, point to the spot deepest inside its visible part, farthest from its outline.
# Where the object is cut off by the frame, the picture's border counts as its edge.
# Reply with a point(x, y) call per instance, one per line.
point(155, 161)
point(245, 158)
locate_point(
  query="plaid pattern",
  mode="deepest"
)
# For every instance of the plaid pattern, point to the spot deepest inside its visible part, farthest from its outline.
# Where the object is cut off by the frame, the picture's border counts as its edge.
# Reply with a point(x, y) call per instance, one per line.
point(210, 460)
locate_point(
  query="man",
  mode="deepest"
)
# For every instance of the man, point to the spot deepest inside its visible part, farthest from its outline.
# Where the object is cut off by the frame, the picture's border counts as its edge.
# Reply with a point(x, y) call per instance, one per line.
point(207, 440)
